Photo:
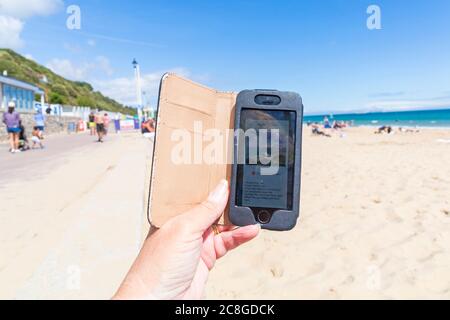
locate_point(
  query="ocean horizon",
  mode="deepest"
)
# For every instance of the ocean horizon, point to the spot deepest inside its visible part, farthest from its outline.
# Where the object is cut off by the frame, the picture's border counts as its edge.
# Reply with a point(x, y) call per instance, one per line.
point(417, 118)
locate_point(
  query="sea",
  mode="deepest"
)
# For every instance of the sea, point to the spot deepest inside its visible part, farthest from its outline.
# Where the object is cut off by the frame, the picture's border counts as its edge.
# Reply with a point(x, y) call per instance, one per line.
point(422, 119)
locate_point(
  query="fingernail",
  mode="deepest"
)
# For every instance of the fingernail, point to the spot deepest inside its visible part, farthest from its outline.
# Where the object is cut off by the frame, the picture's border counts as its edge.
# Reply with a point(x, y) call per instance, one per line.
point(220, 191)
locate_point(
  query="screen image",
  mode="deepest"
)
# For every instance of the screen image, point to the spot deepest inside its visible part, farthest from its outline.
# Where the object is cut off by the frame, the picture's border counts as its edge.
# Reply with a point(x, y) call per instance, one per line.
point(266, 176)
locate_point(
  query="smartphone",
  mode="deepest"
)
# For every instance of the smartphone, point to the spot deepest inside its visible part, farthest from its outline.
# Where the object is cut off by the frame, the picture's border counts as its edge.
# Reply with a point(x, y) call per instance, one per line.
point(266, 176)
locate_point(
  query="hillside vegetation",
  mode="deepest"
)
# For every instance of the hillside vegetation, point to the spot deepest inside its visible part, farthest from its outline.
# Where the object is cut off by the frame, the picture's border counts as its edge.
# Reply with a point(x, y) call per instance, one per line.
point(58, 89)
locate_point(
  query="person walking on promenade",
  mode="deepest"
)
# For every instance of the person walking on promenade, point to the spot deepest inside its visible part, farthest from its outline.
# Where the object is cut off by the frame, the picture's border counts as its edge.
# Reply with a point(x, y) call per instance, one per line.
point(11, 119)
point(106, 122)
point(37, 137)
point(117, 123)
point(39, 120)
point(100, 126)
point(92, 125)
point(24, 145)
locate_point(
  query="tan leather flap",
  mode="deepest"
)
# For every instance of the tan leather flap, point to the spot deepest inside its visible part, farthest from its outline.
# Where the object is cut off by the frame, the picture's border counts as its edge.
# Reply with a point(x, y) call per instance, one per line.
point(181, 178)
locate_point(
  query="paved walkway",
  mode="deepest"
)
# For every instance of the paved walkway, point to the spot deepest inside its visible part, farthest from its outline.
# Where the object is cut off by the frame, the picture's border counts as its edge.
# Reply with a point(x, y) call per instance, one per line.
point(35, 162)
point(72, 220)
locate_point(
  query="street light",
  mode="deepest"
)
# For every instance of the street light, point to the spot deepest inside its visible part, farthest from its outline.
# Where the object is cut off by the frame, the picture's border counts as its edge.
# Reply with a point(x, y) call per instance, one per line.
point(137, 74)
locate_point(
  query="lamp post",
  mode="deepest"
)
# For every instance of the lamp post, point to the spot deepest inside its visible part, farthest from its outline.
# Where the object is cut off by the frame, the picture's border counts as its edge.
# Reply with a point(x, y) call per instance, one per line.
point(145, 103)
point(137, 75)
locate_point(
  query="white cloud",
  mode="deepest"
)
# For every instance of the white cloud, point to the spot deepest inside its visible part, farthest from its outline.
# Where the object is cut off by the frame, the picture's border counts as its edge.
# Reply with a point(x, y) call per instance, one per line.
point(82, 72)
point(23, 9)
point(409, 104)
point(14, 12)
point(67, 69)
point(29, 56)
point(72, 48)
point(124, 89)
point(10, 30)
point(121, 89)
point(102, 63)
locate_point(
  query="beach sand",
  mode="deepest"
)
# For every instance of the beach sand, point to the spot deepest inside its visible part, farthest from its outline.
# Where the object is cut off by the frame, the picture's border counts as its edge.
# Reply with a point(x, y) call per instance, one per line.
point(375, 223)
point(72, 218)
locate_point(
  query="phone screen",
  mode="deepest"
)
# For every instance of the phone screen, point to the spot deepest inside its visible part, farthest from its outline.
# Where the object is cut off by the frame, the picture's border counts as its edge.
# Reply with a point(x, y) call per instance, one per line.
point(266, 159)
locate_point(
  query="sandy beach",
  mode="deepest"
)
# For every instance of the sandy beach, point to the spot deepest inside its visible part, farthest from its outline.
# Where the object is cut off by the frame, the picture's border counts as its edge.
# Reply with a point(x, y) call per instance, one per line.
point(374, 223)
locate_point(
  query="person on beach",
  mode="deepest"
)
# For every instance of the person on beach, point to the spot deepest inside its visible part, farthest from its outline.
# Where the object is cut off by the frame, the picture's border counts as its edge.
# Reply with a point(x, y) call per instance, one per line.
point(100, 126)
point(326, 123)
point(106, 121)
point(91, 124)
point(148, 126)
point(317, 132)
point(39, 120)
point(117, 123)
point(37, 137)
point(384, 129)
point(23, 139)
point(11, 119)
point(338, 125)
point(407, 130)
point(175, 261)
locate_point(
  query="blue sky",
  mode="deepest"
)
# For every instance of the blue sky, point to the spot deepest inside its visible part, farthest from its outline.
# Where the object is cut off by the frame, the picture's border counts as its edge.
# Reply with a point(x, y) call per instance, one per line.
point(321, 49)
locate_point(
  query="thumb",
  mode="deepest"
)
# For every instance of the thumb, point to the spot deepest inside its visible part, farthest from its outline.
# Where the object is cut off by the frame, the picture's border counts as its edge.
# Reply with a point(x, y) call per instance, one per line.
point(207, 213)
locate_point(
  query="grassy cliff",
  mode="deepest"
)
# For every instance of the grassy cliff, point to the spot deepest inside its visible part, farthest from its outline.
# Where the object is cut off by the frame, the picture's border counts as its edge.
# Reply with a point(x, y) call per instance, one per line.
point(58, 89)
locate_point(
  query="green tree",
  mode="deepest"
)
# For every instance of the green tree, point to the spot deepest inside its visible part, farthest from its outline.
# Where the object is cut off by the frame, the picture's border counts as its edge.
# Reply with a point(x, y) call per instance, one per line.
point(85, 101)
point(60, 89)
point(55, 98)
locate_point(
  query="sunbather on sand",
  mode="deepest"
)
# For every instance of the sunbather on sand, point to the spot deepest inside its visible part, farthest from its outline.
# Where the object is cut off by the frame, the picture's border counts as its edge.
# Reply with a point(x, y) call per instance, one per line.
point(405, 130)
point(317, 132)
point(384, 129)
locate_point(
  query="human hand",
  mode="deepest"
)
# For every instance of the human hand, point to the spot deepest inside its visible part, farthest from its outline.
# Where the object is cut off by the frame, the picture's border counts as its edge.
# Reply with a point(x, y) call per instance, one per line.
point(175, 261)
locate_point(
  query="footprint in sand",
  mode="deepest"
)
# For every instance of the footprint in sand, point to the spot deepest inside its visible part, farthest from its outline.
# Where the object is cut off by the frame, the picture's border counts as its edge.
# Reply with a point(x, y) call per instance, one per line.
point(443, 215)
point(419, 227)
point(277, 271)
point(430, 256)
point(316, 269)
point(393, 217)
point(349, 280)
point(421, 212)
point(332, 293)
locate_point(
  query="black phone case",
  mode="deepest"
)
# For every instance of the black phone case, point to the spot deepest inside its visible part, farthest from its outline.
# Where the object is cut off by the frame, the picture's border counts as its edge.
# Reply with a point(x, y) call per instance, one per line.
point(281, 220)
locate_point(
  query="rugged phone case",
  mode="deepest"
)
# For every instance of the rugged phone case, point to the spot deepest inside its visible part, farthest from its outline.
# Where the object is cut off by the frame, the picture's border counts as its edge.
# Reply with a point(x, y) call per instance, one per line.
point(282, 220)
point(183, 105)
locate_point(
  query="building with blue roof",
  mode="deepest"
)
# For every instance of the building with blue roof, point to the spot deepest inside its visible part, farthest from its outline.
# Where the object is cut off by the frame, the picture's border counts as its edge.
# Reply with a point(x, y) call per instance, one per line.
point(22, 93)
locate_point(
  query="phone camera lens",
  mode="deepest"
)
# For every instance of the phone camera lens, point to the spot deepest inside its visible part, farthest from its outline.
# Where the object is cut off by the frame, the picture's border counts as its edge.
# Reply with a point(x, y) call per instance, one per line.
point(264, 217)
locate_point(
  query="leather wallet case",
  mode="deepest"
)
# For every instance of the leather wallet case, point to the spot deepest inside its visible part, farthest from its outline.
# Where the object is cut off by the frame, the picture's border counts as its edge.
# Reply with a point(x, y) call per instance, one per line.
point(191, 110)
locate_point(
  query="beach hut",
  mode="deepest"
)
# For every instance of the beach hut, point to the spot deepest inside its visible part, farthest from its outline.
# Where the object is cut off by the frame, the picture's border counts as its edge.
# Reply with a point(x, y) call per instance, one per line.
point(22, 93)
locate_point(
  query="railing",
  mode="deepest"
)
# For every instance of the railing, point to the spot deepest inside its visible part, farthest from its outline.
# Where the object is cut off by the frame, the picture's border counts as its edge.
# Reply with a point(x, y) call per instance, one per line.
point(72, 111)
